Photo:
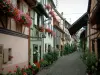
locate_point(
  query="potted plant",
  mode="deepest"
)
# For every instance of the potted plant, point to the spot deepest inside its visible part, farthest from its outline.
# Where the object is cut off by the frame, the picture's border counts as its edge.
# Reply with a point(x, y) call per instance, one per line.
point(90, 61)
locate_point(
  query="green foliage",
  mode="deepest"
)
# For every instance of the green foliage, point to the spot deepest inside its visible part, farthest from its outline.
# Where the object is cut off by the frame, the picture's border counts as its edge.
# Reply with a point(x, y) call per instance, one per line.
point(69, 49)
point(1, 74)
point(89, 59)
point(32, 70)
point(50, 57)
point(44, 63)
point(18, 71)
point(35, 68)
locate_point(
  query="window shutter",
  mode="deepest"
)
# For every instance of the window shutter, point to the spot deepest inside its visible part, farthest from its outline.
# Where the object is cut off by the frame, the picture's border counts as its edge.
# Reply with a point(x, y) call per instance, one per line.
point(1, 56)
point(5, 55)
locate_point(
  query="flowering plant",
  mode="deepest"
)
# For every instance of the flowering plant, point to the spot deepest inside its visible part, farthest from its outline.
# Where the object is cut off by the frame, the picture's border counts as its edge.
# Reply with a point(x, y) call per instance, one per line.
point(48, 30)
point(90, 61)
point(47, 6)
point(53, 15)
point(41, 29)
point(30, 70)
point(7, 7)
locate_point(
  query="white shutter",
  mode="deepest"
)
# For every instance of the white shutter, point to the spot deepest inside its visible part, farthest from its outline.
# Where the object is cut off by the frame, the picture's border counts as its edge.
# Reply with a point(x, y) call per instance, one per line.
point(1, 56)
point(5, 55)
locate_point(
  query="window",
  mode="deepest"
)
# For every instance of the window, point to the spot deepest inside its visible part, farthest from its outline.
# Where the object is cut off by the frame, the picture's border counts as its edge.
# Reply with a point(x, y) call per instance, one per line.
point(10, 54)
point(49, 48)
point(57, 46)
point(7, 56)
point(1, 49)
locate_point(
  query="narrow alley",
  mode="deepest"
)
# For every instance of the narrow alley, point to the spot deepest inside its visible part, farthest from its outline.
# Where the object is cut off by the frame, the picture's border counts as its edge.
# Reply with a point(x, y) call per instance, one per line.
point(66, 65)
point(49, 37)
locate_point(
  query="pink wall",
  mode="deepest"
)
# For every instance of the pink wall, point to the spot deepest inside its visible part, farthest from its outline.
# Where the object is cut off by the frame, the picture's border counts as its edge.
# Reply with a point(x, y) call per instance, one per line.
point(19, 51)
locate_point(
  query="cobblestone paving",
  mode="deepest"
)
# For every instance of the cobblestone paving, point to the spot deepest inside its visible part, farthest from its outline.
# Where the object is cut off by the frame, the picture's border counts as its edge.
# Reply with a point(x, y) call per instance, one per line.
point(66, 65)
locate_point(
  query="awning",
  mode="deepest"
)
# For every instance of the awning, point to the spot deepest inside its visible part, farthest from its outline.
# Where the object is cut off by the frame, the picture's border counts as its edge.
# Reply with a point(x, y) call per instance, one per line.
point(82, 21)
point(41, 10)
point(31, 3)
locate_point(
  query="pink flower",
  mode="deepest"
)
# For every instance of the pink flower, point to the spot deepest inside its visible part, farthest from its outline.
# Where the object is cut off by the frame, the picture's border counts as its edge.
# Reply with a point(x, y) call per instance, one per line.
point(10, 71)
point(16, 66)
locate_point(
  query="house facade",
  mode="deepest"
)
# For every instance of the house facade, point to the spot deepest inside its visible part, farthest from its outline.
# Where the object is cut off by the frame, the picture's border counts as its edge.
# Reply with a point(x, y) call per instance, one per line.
point(15, 21)
point(93, 27)
point(60, 28)
point(41, 38)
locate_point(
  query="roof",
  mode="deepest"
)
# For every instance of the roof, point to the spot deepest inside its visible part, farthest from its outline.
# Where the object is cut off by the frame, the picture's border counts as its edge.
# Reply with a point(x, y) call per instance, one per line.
point(82, 21)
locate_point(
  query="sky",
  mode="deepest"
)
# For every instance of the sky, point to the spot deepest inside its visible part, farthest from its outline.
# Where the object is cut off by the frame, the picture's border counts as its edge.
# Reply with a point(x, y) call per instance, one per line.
point(72, 9)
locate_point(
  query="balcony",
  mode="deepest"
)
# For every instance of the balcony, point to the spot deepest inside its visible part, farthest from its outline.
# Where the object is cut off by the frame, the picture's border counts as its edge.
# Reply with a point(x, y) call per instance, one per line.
point(41, 10)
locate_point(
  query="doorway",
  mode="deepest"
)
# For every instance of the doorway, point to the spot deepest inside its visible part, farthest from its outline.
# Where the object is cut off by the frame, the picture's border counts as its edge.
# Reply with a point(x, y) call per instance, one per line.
point(35, 53)
point(40, 51)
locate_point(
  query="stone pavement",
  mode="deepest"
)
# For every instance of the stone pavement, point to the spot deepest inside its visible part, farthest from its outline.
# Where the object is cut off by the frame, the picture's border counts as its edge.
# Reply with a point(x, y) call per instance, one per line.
point(66, 65)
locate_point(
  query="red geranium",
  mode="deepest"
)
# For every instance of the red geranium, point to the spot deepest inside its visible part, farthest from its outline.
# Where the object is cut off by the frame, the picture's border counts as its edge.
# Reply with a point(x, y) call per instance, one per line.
point(41, 28)
point(37, 64)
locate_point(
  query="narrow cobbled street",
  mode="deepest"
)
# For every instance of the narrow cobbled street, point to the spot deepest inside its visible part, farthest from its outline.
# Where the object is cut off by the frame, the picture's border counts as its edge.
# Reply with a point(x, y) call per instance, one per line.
point(66, 65)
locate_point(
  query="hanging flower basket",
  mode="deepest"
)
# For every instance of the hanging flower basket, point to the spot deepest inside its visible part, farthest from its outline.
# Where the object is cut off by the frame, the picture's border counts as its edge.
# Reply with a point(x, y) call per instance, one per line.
point(41, 29)
point(52, 13)
point(7, 7)
point(48, 30)
point(47, 6)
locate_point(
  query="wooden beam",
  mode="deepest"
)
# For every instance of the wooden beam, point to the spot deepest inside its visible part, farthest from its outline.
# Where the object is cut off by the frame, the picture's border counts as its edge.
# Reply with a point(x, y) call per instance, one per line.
point(2, 23)
point(92, 34)
point(6, 20)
